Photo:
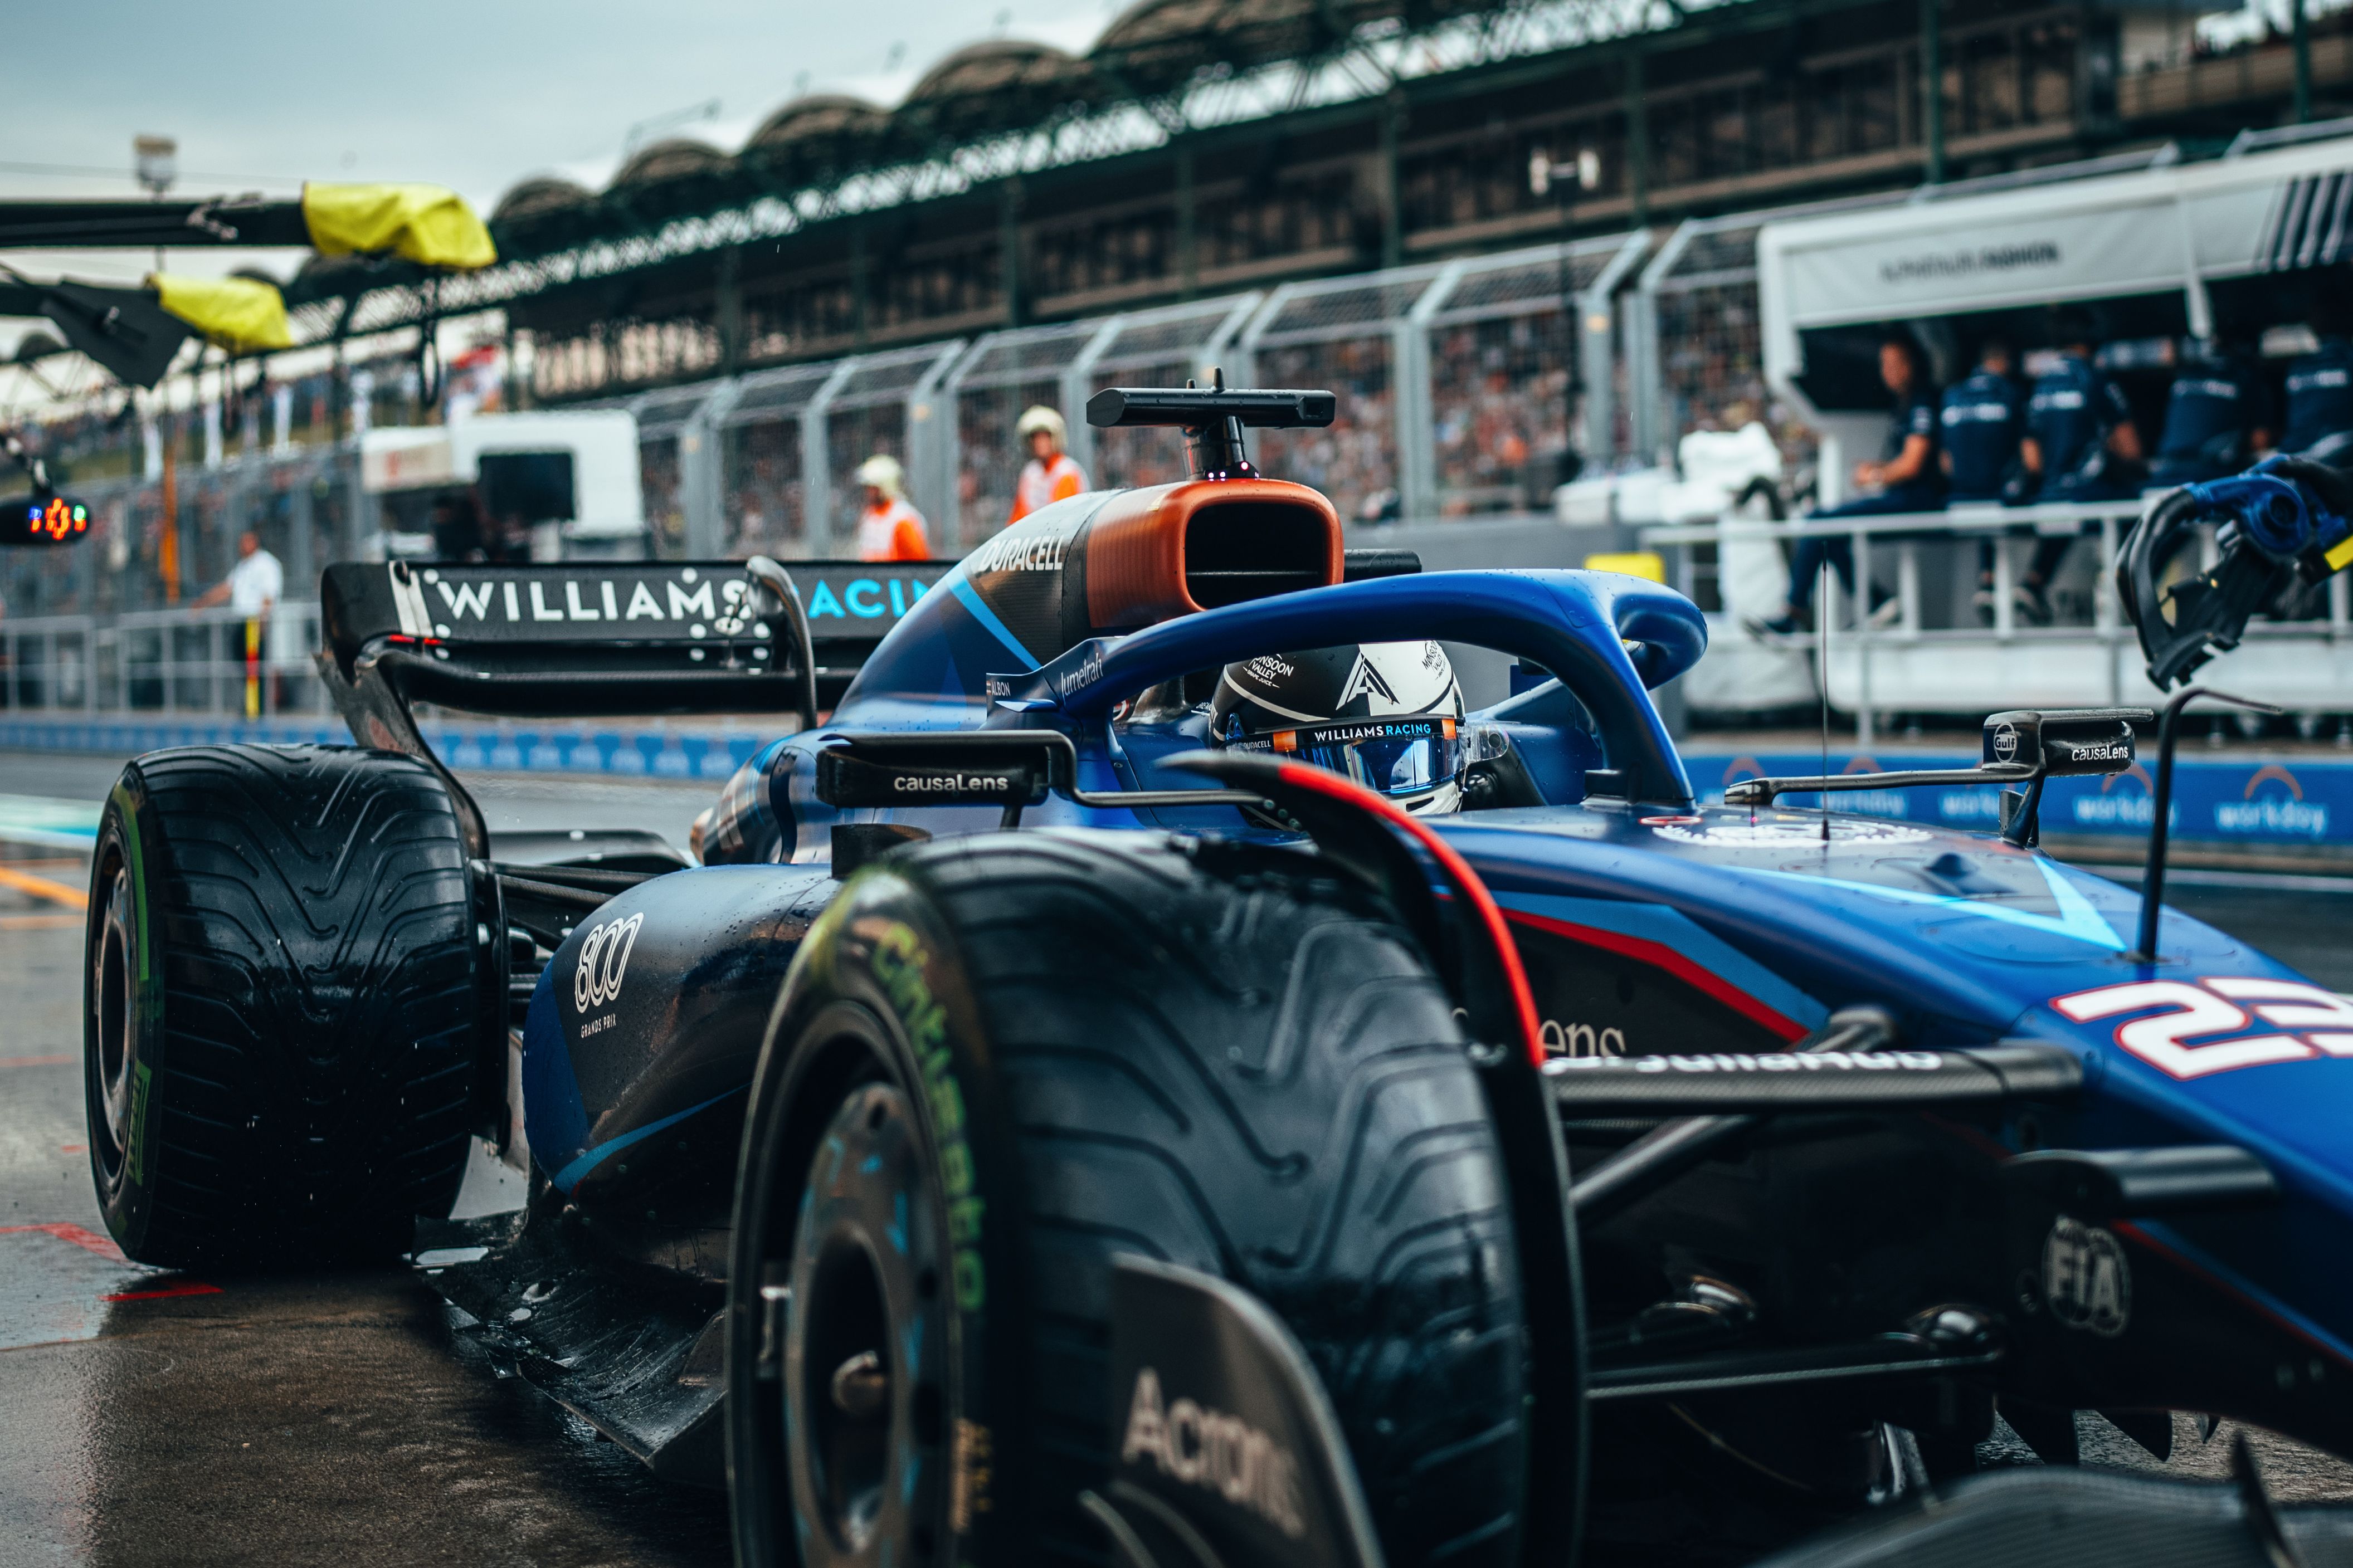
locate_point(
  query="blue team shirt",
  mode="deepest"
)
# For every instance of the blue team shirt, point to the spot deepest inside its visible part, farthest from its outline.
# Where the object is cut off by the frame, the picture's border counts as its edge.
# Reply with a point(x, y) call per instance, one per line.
point(2319, 395)
point(2214, 399)
point(1981, 421)
point(1915, 415)
point(2070, 414)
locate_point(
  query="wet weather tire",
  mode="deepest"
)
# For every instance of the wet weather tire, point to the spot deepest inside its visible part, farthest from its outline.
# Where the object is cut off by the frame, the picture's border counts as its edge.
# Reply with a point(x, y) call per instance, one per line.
point(1001, 1061)
point(278, 1003)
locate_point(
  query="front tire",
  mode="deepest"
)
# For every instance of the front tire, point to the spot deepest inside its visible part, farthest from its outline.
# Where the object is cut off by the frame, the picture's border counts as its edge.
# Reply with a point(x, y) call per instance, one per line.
point(278, 1003)
point(999, 1062)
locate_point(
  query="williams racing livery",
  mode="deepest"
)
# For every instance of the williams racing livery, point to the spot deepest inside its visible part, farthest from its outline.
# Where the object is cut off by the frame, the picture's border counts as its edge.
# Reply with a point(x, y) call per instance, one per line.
point(1138, 1072)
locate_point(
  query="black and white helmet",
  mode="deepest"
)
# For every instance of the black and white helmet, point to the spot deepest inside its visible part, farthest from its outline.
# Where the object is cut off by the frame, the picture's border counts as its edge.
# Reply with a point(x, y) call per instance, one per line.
point(1388, 715)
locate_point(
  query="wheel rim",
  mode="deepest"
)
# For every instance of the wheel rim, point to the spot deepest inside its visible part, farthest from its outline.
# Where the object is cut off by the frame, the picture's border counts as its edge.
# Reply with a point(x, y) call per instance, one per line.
point(111, 1007)
point(865, 1346)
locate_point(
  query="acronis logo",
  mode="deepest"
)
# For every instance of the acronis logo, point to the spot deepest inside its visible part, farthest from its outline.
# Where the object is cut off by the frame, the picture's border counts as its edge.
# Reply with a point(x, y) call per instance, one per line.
point(864, 598)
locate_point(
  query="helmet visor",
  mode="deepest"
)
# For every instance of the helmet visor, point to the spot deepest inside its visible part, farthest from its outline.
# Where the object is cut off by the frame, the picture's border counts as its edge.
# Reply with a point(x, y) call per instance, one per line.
point(1388, 756)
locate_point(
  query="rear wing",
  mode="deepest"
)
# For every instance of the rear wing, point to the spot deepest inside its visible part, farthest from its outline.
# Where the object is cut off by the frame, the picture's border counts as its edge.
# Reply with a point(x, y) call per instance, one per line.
point(581, 638)
point(624, 637)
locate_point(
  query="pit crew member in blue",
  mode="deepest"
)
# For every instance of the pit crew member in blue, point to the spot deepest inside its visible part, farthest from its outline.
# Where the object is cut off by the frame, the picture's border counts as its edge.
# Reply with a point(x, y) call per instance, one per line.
point(1983, 417)
point(1983, 420)
point(1907, 478)
point(1388, 715)
point(2217, 416)
point(2081, 445)
point(2320, 383)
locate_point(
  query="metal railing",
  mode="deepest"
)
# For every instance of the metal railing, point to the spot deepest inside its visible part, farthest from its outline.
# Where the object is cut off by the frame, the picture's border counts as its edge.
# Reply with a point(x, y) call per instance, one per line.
point(173, 662)
point(1930, 648)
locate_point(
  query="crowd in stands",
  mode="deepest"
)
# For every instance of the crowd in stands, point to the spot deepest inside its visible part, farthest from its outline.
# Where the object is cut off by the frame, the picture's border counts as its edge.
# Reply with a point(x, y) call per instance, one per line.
point(1354, 460)
point(764, 489)
point(1499, 391)
point(2067, 435)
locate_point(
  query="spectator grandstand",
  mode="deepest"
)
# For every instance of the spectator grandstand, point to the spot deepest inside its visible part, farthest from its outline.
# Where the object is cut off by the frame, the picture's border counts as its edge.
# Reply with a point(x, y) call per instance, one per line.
point(1295, 191)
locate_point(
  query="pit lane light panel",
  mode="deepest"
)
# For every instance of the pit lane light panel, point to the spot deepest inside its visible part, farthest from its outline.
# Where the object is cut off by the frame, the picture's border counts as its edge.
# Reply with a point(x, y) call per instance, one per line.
point(46, 522)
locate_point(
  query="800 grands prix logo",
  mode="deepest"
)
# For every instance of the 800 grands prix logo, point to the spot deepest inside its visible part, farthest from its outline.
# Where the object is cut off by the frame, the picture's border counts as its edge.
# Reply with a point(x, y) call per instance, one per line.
point(604, 960)
point(2220, 1022)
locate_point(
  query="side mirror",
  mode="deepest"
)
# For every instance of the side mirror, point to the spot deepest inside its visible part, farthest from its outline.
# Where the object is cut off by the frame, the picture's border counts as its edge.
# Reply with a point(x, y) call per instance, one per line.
point(2022, 747)
point(2060, 743)
point(44, 520)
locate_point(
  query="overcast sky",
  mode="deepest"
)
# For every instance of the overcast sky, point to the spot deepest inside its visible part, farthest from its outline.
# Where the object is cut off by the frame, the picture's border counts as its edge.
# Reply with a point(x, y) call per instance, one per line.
point(473, 95)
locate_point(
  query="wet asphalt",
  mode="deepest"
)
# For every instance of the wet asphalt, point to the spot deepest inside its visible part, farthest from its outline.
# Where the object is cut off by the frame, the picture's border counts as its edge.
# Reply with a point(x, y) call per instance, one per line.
point(153, 1420)
point(150, 1419)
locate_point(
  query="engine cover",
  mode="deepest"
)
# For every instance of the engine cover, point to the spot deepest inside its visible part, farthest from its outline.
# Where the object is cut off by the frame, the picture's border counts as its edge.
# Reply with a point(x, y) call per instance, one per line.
point(642, 1036)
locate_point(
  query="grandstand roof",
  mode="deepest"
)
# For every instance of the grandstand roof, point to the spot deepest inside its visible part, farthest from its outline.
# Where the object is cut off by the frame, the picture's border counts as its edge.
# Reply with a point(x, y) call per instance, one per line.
point(1005, 107)
point(817, 135)
point(1005, 84)
point(1156, 52)
point(672, 158)
point(538, 196)
point(1157, 46)
point(674, 177)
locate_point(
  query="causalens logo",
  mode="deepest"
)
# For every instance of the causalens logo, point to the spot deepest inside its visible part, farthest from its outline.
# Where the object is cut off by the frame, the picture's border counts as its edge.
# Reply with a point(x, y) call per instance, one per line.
point(604, 960)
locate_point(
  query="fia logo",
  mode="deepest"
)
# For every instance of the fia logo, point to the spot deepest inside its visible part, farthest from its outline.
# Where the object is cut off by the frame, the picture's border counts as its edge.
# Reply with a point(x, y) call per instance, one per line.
point(2085, 1279)
point(604, 958)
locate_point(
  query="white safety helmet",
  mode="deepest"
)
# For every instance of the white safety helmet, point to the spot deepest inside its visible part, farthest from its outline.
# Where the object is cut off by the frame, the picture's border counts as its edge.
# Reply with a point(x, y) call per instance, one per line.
point(1037, 417)
point(882, 471)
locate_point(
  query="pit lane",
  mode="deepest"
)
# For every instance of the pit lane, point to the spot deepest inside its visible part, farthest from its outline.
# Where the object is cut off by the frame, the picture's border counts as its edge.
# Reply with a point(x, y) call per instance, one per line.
point(168, 1419)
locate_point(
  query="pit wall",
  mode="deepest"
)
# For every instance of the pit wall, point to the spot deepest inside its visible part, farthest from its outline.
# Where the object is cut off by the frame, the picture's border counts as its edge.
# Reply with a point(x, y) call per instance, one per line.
point(2260, 806)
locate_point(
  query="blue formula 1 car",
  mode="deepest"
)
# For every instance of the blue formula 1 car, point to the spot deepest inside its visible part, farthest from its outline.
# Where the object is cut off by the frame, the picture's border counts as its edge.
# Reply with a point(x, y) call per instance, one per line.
point(1074, 1108)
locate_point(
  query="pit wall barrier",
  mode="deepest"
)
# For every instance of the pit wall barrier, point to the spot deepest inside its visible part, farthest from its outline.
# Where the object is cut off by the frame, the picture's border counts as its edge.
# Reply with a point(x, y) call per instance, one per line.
point(635, 753)
point(2265, 805)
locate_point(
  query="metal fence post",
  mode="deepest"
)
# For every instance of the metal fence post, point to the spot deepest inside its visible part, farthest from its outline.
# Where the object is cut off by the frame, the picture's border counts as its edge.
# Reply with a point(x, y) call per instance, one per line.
point(1077, 388)
point(1239, 332)
point(932, 442)
point(702, 473)
point(1415, 401)
point(1863, 633)
point(1646, 382)
point(1593, 339)
point(817, 461)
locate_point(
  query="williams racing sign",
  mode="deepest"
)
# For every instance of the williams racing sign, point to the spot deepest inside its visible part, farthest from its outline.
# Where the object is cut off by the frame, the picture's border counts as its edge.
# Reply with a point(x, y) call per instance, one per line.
point(689, 602)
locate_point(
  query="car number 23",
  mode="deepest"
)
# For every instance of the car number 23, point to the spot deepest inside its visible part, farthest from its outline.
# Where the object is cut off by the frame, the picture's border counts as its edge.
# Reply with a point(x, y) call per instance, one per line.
point(2178, 1018)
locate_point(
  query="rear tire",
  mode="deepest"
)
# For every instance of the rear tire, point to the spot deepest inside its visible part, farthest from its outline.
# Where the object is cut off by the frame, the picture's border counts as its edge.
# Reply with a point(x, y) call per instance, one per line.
point(999, 1062)
point(278, 1003)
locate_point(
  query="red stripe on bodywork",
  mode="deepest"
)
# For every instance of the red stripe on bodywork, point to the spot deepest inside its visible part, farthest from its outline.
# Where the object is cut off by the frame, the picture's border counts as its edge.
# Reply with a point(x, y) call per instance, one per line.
point(1658, 955)
point(1316, 781)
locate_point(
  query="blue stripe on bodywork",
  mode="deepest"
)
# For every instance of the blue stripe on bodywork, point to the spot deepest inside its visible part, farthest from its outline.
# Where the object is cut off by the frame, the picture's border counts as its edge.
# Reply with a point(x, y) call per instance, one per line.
point(988, 618)
point(554, 1120)
point(589, 1159)
point(1672, 928)
point(2076, 917)
point(2169, 1237)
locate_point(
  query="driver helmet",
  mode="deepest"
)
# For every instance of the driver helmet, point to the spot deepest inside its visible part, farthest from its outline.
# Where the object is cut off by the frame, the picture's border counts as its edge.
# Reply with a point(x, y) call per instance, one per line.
point(1388, 715)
